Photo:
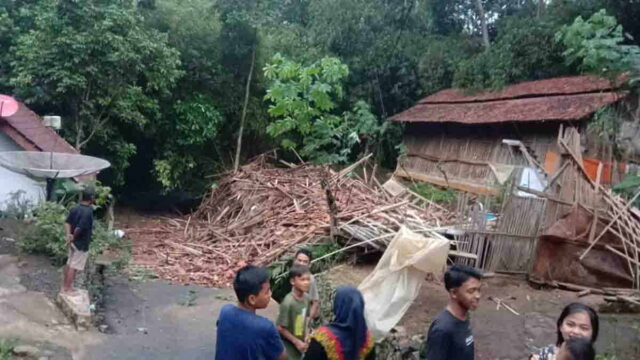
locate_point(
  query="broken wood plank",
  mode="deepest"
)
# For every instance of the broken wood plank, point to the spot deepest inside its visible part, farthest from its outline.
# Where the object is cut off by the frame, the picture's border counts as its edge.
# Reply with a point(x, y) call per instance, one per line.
point(500, 302)
point(191, 251)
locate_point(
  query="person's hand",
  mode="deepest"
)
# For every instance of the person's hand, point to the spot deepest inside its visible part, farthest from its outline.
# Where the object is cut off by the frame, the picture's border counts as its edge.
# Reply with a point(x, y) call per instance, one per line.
point(69, 239)
point(301, 346)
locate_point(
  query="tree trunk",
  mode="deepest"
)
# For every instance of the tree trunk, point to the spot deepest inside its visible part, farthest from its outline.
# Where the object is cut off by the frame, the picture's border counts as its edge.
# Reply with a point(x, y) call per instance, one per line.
point(483, 24)
point(541, 6)
point(244, 111)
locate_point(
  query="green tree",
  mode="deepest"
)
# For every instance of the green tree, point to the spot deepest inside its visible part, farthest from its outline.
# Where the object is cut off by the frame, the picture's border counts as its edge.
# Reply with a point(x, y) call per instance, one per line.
point(186, 155)
point(596, 45)
point(524, 50)
point(99, 65)
point(303, 104)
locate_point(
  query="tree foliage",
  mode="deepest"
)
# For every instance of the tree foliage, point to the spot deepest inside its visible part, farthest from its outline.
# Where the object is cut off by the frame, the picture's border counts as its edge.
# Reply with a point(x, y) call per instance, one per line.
point(194, 128)
point(97, 63)
point(157, 87)
point(303, 104)
point(523, 50)
point(596, 45)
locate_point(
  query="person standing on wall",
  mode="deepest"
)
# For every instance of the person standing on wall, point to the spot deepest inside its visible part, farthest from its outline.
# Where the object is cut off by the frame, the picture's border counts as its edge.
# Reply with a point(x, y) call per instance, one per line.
point(78, 230)
point(450, 336)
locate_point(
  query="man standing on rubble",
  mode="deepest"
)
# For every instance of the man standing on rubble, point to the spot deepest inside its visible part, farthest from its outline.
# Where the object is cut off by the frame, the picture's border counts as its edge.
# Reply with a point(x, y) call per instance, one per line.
point(450, 337)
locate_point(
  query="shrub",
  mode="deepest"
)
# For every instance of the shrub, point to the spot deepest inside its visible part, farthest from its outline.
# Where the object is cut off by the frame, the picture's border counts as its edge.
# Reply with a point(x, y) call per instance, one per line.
point(433, 193)
point(6, 349)
point(18, 206)
point(46, 235)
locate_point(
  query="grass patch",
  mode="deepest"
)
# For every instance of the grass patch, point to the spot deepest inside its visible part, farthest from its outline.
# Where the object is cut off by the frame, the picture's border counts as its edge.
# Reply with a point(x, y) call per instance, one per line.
point(140, 274)
point(6, 349)
point(434, 193)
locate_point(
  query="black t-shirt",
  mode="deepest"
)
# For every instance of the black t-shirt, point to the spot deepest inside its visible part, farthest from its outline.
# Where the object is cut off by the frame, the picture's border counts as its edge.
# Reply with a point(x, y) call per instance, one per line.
point(81, 217)
point(449, 339)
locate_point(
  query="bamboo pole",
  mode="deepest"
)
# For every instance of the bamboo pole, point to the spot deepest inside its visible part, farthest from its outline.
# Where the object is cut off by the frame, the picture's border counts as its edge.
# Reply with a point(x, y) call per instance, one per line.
point(611, 223)
point(592, 232)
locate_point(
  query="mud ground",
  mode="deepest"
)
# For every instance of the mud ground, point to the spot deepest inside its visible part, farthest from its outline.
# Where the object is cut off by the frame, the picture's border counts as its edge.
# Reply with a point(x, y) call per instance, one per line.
point(500, 334)
point(145, 319)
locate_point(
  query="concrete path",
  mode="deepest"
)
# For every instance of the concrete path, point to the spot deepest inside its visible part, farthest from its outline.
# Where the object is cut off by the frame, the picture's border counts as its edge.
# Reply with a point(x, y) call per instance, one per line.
point(158, 320)
point(146, 320)
point(31, 318)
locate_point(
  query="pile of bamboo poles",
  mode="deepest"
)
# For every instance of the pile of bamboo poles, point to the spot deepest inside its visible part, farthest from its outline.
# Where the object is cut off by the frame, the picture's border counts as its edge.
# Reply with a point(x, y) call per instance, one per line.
point(261, 212)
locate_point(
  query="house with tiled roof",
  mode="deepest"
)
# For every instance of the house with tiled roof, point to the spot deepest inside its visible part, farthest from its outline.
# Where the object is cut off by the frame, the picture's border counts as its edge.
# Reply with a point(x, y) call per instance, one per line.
point(21, 129)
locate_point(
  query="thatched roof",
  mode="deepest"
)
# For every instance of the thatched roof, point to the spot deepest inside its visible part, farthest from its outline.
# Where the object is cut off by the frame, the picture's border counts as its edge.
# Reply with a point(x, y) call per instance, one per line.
point(558, 99)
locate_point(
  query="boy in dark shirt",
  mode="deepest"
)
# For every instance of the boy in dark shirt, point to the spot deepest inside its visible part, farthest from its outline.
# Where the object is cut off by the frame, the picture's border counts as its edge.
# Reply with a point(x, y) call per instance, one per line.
point(450, 337)
point(78, 229)
point(293, 318)
point(243, 335)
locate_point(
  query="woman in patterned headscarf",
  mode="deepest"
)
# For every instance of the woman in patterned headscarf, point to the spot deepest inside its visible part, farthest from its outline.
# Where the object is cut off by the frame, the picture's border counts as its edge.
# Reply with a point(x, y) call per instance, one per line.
point(347, 337)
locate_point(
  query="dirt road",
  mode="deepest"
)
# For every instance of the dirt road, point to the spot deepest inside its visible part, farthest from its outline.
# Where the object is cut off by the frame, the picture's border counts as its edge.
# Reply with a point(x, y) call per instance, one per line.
point(158, 320)
point(500, 334)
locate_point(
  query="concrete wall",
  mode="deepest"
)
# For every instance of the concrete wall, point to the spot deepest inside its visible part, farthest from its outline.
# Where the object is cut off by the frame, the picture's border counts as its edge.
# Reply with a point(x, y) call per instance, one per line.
point(11, 182)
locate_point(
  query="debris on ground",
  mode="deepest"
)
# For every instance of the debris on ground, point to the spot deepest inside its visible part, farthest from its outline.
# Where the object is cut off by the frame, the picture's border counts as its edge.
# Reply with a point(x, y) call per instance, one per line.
point(261, 212)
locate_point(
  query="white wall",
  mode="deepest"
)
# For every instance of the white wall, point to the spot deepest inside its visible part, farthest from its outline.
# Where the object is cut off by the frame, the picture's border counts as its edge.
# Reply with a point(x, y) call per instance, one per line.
point(11, 182)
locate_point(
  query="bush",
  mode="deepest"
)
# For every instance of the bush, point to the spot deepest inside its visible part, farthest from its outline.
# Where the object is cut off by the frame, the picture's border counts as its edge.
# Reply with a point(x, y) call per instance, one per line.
point(433, 193)
point(46, 235)
point(18, 206)
point(6, 349)
point(628, 187)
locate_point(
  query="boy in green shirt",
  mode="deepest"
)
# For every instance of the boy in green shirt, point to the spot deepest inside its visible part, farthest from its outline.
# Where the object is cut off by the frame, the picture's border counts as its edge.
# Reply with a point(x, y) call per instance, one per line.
point(293, 318)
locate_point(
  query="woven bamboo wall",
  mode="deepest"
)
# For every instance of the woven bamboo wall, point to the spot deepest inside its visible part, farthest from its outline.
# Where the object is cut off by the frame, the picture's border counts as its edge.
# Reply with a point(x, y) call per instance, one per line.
point(456, 153)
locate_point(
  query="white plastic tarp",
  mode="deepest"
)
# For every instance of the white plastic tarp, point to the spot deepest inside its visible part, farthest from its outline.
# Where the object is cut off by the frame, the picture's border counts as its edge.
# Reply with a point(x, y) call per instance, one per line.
point(395, 283)
point(531, 179)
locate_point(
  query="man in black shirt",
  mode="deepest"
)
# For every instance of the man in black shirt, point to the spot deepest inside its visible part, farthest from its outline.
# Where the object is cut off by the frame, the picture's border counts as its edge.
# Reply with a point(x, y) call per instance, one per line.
point(78, 229)
point(450, 337)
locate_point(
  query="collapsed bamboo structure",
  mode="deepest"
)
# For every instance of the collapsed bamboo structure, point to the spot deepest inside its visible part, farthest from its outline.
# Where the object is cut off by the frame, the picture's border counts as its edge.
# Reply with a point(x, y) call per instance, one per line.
point(261, 212)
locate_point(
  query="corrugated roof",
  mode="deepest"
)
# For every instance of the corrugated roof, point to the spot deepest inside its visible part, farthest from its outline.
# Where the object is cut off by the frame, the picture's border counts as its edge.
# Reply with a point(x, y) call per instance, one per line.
point(29, 125)
point(558, 99)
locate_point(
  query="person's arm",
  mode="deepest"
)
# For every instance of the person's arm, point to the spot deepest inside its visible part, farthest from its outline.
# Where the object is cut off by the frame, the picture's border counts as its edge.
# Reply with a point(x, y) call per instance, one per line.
point(299, 344)
point(273, 347)
point(84, 224)
point(76, 233)
point(315, 351)
point(315, 299)
point(437, 345)
point(315, 309)
point(68, 235)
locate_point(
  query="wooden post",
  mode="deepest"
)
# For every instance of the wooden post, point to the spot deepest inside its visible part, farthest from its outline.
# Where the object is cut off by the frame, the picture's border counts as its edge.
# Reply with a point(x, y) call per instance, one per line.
point(592, 233)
